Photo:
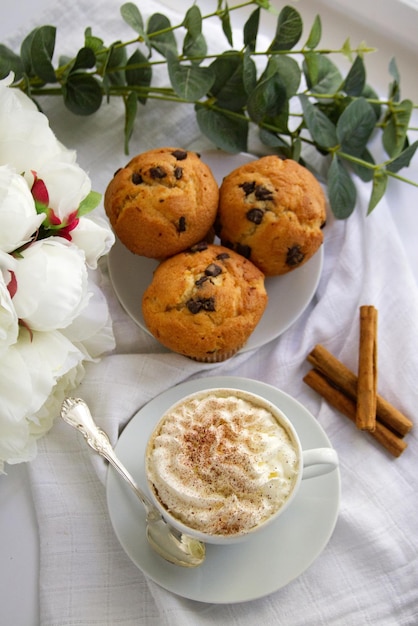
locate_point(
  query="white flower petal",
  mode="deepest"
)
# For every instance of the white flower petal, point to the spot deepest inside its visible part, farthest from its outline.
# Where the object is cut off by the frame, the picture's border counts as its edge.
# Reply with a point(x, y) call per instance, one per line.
point(51, 284)
point(94, 236)
point(18, 217)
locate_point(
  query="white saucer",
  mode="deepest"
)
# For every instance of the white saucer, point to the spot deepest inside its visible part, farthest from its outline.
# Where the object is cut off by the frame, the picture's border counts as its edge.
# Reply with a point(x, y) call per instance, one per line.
point(289, 295)
point(241, 572)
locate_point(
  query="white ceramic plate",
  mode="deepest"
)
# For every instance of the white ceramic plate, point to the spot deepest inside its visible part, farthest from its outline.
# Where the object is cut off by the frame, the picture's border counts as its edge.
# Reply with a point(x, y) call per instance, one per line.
point(245, 571)
point(289, 295)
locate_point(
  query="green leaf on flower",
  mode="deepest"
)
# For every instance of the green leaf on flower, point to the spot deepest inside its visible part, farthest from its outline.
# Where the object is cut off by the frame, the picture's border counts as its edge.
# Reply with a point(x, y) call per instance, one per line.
point(228, 87)
point(315, 33)
point(160, 35)
point(355, 80)
point(370, 94)
point(342, 192)
point(85, 59)
point(404, 159)
point(355, 126)
point(396, 127)
point(10, 62)
point(82, 94)
point(288, 30)
point(380, 181)
point(322, 130)
point(90, 202)
point(227, 133)
point(138, 73)
point(90, 41)
point(190, 82)
point(132, 16)
point(251, 30)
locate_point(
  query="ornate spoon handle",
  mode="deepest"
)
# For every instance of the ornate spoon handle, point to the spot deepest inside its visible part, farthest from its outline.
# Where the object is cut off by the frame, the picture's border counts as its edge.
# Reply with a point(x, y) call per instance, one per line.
point(75, 412)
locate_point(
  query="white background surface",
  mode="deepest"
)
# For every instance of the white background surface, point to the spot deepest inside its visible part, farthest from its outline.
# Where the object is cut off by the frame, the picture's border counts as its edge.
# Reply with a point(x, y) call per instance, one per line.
point(390, 26)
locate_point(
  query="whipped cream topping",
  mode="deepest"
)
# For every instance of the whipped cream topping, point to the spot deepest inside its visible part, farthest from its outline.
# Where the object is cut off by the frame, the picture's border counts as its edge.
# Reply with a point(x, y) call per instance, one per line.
point(221, 463)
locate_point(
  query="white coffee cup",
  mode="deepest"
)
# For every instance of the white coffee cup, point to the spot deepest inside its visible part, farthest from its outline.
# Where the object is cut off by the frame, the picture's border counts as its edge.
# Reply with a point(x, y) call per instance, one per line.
point(223, 463)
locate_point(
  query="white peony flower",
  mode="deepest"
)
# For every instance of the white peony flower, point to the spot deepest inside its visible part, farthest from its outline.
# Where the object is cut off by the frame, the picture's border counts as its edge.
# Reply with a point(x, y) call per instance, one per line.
point(51, 278)
point(30, 371)
point(18, 218)
point(94, 236)
point(53, 317)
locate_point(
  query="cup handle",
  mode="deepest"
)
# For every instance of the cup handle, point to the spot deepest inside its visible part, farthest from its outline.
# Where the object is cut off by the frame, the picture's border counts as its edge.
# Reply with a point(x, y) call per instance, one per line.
point(318, 461)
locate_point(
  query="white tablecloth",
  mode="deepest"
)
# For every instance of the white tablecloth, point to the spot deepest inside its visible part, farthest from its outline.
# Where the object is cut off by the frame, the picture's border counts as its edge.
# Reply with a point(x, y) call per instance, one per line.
point(367, 573)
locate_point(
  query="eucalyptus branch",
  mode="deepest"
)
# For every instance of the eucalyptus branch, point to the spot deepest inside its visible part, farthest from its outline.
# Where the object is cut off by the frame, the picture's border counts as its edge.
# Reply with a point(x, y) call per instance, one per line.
point(338, 115)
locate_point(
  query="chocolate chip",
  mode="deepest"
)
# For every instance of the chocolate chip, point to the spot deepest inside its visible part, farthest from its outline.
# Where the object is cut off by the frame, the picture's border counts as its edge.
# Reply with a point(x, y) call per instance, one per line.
point(180, 155)
point(294, 256)
point(255, 216)
point(200, 304)
point(248, 187)
point(222, 256)
point(137, 178)
point(178, 173)
point(213, 270)
point(182, 224)
point(243, 250)
point(262, 193)
point(199, 247)
point(200, 281)
point(157, 172)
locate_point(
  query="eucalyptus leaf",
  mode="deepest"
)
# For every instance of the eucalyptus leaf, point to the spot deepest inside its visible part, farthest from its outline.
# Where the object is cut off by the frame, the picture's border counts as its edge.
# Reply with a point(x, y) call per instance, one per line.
point(288, 30)
point(249, 72)
point(227, 133)
point(396, 127)
point(228, 87)
point(160, 35)
point(322, 130)
point(380, 181)
point(315, 34)
point(132, 16)
point(85, 59)
point(342, 192)
point(82, 94)
point(287, 69)
point(138, 73)
point(10, 62)
point(404, 159)
point(41, 51)
point(226, 25)
point(355, 80)
point(322, 75)
point(394, 87)
point(193, 21)
point(131, 107)
point(355, 126)
point(268, 99)
point(362, 171)
point(251, 30)
point(190, 82)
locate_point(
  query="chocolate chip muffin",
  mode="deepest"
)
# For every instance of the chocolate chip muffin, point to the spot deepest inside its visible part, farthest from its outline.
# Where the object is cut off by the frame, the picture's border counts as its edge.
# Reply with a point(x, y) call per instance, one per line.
point(204, 303)
point(162, 202)
point(272, 211)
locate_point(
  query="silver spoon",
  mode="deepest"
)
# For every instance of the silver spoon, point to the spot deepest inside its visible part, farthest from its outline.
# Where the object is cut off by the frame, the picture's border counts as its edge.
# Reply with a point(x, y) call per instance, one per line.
point(170, 543)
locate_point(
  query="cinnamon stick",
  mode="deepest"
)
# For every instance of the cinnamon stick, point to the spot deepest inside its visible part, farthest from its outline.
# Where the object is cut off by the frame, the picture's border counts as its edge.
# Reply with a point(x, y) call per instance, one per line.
point(343, 378)
point(367, 370)
point(394, 444)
